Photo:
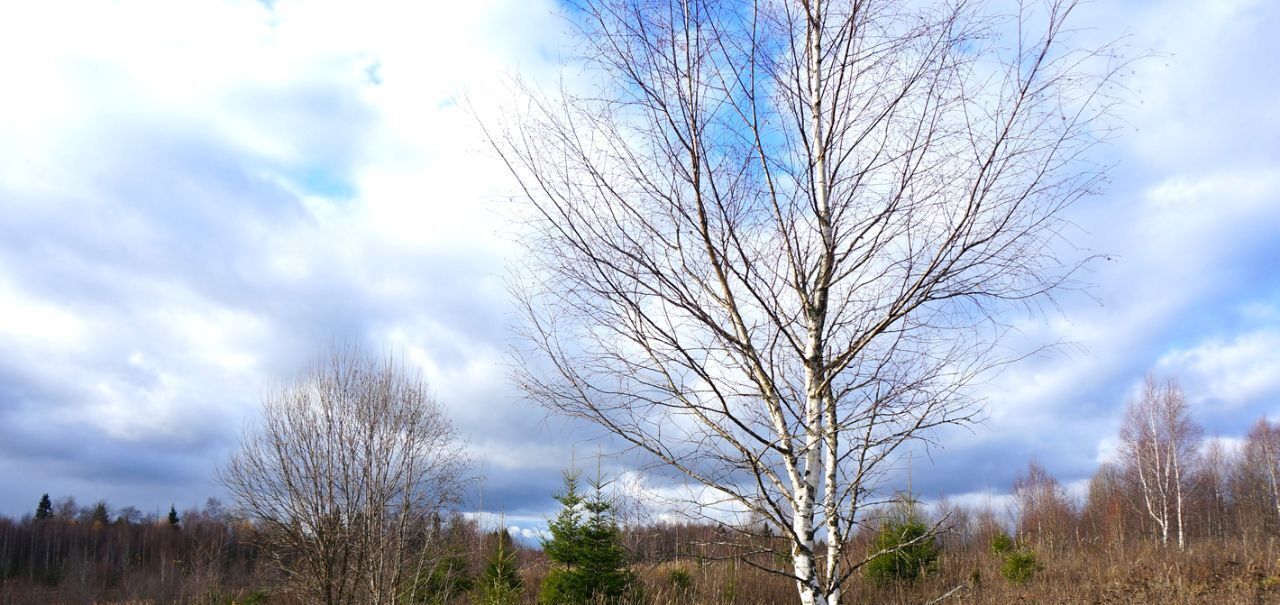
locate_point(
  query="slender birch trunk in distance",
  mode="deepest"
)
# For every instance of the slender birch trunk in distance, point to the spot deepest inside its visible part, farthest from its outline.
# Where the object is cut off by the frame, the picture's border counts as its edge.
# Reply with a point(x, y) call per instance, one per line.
point(1159, 443)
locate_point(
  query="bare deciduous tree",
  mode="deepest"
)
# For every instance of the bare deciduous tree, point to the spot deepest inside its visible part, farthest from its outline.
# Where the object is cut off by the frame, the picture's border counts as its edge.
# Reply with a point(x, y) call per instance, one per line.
point(1108, 508)
point(774, 242)
point(1159, 445)
point(345, 475)
point(1261, 459)
point(1045, 514)
point(1213, 483)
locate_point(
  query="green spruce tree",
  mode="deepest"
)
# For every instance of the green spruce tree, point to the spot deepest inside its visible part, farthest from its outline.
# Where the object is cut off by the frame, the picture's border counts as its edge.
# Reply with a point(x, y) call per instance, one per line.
point(910, 548)
point(562, 584)
point(501, 584)
point(44, 509)
point(604, 558)
point(585, 545)
point(174, 521)
point(100, 516)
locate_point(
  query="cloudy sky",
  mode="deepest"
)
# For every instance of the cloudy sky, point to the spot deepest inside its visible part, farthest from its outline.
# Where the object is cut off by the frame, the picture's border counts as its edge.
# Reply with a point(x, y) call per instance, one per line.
point(195, 197)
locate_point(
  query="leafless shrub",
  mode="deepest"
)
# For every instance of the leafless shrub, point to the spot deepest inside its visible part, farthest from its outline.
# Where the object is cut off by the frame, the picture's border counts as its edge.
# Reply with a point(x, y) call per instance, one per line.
point(350, 467)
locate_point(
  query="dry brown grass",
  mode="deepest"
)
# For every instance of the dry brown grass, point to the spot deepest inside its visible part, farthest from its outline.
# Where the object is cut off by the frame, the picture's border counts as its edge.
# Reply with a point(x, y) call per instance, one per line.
point(1220, 572)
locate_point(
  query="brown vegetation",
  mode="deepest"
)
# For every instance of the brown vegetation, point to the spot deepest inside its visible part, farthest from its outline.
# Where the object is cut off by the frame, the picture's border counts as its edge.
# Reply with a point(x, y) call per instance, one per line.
point(348, 477)
point(89, 554)
point(1045, 546)
point(1103, 548)
point(1219, 571)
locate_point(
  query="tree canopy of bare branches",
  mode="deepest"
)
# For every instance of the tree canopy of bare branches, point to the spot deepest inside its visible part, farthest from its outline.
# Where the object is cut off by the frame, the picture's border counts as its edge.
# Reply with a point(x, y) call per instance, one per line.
point(1159, 446)
point(1260, 465)
point(346, 475)
point(1045, 513)
point(773, 241)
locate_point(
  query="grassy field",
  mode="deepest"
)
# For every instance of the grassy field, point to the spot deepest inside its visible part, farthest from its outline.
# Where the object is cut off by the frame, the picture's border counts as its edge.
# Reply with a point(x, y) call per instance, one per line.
point(1225, 571)
point(1219, 572)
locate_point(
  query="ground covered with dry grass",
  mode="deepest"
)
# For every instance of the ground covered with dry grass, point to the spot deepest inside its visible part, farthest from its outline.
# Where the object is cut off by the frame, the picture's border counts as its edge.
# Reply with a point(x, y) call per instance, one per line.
point(1235, 572)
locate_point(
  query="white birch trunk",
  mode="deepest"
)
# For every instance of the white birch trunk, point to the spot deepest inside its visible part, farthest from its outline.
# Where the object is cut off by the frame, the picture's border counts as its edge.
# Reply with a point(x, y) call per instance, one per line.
point(1177, 486)
point(1269, 459)
point(791, 282)
point(810, 587)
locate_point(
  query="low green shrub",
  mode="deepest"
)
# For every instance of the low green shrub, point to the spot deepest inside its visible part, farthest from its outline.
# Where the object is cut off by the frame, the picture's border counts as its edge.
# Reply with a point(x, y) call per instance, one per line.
point(1020, 565)
point(680, 580)
point(916, 552)
point(257, 597)
point(1001, 543)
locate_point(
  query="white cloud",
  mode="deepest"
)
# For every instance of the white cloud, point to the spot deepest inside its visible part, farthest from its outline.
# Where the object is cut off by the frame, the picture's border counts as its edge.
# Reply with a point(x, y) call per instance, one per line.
point(1108, 450)
point(527, 534)
point(28, 323)
point(1189, 222)
point(1002, 504)
point(528, 530)
point(1234, 373)
point(198, 195)
point(1230, 445)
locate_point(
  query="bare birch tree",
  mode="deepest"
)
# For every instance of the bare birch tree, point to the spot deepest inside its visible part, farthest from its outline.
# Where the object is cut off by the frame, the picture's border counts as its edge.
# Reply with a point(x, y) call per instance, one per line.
point(1213, 482)
point(1046, 515)
point(773, 241)
point(344, 477)
point(1261, 459)
point(1159, 444)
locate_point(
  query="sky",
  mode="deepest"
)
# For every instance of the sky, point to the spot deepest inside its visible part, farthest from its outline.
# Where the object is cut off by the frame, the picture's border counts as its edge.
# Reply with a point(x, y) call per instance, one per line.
point(197, 197)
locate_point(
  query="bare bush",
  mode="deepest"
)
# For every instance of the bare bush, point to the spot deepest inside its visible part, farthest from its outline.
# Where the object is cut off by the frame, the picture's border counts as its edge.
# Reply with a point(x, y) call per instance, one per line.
point(350, 467)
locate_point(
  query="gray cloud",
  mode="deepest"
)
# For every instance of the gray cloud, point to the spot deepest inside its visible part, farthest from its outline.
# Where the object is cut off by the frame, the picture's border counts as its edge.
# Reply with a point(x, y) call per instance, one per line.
point(178, 236)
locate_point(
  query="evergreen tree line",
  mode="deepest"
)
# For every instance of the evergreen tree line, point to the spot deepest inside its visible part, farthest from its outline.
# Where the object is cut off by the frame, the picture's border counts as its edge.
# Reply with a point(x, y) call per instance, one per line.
point(67, 553)
point(70, 553)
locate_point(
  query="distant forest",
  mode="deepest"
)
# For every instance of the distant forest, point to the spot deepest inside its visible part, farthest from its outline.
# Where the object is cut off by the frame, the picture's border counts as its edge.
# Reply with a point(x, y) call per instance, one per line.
point(1114, 545)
